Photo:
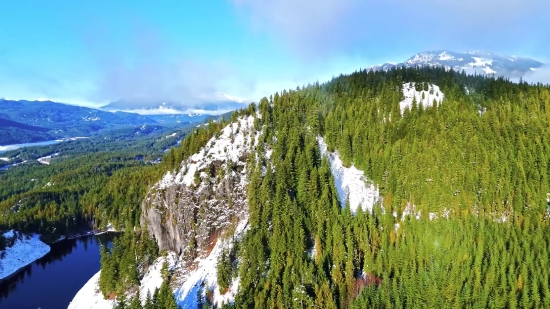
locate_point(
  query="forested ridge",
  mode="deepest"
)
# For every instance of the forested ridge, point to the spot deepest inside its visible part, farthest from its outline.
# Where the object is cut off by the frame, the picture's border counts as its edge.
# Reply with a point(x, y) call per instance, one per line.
point(482, 155)
point(479, 162)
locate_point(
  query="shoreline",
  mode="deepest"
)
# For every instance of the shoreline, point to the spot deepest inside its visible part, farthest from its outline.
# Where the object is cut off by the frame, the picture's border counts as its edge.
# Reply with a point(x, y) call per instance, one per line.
point(36, 239)
point(23, 253)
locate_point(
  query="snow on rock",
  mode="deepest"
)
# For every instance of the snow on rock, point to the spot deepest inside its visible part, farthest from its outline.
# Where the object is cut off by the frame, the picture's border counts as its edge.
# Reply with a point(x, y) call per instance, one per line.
point(350, 182)
point(23, 252)
point(90, 297)
point(205, 273)
point(233, 141)
point(5, 159)
point(480, 62)
point(425, 98)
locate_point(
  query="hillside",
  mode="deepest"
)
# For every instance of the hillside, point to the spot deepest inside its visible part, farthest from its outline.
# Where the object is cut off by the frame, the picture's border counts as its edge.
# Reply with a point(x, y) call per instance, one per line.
point(12, 132)
point(406, 188)
point(31, 121)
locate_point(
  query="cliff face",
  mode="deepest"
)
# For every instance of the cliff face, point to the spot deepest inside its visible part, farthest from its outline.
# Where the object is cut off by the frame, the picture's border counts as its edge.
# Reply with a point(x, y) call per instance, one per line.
point(187, 210)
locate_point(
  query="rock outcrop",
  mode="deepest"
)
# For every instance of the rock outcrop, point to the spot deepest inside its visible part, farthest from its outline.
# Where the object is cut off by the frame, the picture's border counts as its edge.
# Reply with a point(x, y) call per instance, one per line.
point(188, 209)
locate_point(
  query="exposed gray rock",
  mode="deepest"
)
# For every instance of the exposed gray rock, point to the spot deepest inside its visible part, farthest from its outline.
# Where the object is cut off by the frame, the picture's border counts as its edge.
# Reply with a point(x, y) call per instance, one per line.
point(188, 210)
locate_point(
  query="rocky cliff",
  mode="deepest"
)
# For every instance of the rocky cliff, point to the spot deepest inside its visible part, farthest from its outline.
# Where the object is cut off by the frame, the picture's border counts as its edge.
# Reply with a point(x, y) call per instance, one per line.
point(190, 208)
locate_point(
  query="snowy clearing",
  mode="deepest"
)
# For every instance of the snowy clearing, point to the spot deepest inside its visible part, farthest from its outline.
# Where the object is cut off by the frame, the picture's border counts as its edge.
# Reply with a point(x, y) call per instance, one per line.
point(350, 182)
point(22, 253)
point(425, 98)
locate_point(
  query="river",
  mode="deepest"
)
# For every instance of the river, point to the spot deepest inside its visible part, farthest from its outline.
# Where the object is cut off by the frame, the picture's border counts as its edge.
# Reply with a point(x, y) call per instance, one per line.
point(52, 281)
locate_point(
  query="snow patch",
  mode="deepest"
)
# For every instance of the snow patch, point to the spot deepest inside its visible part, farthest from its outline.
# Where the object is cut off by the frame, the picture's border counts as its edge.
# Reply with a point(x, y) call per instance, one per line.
point(206, 272)
point(96, 118)
point(5, 159)
point(152, 279)
point(23, 252)
point(47, 159)
point(425, 98)
point(350, 182)
point(90, 297)
point(444, 56)
point(480, 62)
point(233, 141)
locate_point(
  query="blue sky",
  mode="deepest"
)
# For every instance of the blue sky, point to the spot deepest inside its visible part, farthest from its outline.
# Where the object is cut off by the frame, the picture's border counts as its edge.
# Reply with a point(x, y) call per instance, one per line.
point(92, 52)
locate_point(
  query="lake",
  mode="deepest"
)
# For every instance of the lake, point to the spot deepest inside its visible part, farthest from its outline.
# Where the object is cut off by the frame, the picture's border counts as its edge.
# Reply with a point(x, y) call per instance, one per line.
point(52, 281)
point(16, 146)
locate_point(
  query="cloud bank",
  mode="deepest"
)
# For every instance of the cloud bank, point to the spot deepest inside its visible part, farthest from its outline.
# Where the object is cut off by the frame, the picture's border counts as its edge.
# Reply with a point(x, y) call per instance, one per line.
point(146, 67)
point(315, 28)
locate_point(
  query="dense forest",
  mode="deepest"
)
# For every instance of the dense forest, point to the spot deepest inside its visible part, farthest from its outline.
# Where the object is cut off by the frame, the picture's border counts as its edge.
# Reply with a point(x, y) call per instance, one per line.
point(89, 184)
point(480, 162)
point(482, 157)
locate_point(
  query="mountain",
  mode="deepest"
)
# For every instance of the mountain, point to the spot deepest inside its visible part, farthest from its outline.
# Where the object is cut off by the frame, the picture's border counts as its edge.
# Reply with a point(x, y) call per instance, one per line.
point(31, 121)
point(212, 105)
point(413, 187)
point(477, 62)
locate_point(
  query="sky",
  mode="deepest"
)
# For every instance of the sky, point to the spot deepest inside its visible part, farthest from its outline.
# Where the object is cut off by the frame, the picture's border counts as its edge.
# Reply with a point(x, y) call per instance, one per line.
point(94, 52)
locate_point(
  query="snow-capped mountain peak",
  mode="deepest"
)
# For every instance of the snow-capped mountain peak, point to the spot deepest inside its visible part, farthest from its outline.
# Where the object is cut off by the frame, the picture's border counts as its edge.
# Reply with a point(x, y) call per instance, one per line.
point(479, 62)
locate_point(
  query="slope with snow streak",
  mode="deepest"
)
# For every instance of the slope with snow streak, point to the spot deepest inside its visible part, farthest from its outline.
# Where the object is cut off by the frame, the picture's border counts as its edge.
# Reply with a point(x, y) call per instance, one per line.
point(350, 182)
point(206, 273)
point(425, 98)
point(152, 279)
point(22, 253)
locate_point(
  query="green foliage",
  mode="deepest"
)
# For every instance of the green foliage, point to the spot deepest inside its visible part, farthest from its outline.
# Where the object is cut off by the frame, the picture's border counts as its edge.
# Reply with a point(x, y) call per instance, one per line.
point(122, 266)
point(480, 157)
point(224, 272)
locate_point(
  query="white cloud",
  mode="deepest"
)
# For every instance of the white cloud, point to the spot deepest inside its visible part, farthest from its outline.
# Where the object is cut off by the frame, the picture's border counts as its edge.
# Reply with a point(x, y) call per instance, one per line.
point(540, 75)
point(315, 28)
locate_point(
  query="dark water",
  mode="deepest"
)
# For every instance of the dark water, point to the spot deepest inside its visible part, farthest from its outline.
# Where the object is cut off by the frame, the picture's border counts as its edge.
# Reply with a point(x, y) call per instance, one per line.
point(52, 281)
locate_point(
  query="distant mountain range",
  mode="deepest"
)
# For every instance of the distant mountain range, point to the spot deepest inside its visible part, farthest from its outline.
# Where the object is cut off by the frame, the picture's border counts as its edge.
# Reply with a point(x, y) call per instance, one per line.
point(214, 105)
point(477, 62)
point(32, 121)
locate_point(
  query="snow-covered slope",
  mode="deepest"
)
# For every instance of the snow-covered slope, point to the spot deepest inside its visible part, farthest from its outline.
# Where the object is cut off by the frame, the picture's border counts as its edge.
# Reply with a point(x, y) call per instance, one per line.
point(205, 272)
point(350, 182)
point(471, 62)
point(231, 144)
point(426, 98)
point(152, 279)
point(23, 252)
point(89, 296)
